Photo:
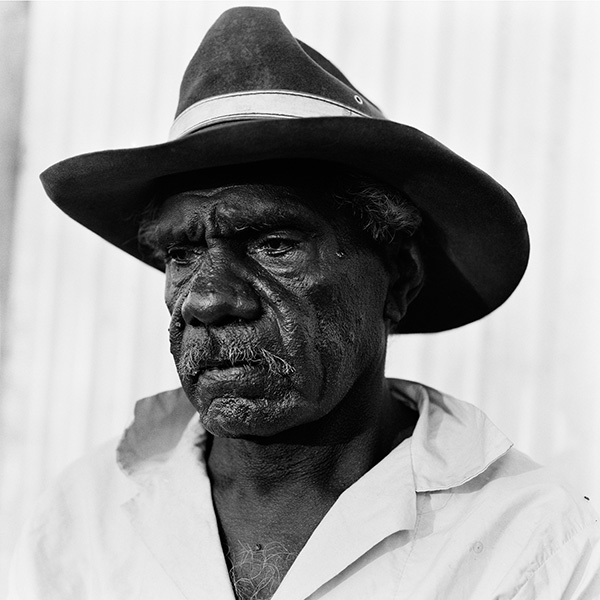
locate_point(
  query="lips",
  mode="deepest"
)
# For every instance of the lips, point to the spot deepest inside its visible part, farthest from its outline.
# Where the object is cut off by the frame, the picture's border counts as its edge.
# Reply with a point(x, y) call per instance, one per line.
point(220, 365)
point(226, 369)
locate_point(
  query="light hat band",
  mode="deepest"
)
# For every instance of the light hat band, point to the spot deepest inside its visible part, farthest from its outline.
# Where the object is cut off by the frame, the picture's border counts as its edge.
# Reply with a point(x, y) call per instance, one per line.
point(259, 105)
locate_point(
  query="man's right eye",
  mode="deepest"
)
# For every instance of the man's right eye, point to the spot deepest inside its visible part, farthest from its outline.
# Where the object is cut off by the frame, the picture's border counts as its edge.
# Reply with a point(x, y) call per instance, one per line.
point(182, 255)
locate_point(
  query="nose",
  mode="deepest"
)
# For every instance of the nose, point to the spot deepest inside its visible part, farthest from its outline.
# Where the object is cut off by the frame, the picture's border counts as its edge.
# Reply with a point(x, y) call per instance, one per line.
point(219, 299)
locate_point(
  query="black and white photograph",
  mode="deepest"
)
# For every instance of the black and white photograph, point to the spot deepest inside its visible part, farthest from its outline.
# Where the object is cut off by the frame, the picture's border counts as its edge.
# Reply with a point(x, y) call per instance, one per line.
point(299, 300)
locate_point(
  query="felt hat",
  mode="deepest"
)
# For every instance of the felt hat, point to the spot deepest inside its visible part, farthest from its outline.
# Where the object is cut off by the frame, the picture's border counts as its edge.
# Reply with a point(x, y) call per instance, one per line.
point(254, 93)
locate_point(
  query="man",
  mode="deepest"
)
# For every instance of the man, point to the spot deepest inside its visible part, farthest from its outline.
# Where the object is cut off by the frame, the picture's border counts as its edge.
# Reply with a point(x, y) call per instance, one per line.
point(297, 228)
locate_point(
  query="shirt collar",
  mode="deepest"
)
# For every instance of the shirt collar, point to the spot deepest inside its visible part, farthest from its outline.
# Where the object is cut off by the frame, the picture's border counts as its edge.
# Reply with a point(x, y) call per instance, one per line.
point(161, 424)
point(453, 441)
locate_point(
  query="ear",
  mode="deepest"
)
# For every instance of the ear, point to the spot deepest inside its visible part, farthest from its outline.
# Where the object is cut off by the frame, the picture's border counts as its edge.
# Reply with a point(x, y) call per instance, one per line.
point(405, 265)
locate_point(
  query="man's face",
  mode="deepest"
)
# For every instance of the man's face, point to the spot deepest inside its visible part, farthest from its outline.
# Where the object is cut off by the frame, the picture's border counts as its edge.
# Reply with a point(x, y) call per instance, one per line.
point(277, 309)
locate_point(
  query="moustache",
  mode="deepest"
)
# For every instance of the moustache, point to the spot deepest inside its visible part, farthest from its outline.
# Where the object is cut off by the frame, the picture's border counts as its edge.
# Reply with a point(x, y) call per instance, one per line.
point(197, 356)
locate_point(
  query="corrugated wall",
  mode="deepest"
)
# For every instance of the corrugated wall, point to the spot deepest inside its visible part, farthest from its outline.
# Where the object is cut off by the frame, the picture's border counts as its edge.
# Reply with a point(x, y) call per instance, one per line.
point(512, 86)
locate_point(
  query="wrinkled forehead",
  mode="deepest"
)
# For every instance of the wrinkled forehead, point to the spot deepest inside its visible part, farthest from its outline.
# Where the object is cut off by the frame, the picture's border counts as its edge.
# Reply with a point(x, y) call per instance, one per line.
point(243, 206)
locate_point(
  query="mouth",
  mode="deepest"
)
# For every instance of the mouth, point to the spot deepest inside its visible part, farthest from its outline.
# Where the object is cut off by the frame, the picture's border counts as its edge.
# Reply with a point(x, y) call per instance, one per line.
point(213, 365)
point(221, 366)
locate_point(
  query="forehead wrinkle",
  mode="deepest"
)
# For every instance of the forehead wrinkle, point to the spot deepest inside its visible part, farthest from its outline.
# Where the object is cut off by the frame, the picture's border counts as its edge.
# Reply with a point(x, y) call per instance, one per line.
point(244, 207)
point(263, 216)
point(191, 225)
point(175, 223)
point(257, 207)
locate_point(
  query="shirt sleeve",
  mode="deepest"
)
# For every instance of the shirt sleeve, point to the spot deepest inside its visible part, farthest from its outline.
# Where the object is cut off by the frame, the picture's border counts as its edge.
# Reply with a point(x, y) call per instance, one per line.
point(59, 554)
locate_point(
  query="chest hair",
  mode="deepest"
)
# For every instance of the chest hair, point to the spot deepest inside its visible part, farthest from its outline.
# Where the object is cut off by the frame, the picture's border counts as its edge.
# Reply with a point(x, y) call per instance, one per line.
point(257, 570)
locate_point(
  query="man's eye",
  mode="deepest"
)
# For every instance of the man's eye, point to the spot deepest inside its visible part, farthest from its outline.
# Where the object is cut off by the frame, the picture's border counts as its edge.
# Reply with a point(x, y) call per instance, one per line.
point(277, 246)
point(181, 255)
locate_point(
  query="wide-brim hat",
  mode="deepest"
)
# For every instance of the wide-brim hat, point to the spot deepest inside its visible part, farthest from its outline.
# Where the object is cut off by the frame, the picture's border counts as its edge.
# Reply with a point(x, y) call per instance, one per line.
point(254, 93)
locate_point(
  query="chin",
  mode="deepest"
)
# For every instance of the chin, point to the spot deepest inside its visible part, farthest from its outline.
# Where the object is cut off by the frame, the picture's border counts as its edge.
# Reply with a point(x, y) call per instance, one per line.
point(243, 417)
point(249, 402)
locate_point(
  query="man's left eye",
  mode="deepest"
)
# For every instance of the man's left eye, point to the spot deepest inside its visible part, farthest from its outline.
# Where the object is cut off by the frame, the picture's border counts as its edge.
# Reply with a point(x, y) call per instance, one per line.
point(277, 246)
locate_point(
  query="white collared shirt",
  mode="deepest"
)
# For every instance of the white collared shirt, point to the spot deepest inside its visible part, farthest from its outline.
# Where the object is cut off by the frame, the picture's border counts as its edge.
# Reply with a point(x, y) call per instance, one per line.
point(452, 513)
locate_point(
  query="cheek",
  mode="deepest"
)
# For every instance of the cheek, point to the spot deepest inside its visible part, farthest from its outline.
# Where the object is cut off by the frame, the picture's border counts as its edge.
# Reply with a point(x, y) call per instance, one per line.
point(169, 296)
point(171, 292)
point(350, 318)
point(174, 296)
point(174, 290)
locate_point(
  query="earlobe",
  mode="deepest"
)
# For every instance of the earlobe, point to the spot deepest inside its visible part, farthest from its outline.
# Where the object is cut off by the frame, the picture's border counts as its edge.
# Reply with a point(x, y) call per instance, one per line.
point(393, 313)
point(406, 281)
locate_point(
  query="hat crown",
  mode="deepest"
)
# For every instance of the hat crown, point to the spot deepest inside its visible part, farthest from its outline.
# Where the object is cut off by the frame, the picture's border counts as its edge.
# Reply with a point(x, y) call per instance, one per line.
point(249, 49)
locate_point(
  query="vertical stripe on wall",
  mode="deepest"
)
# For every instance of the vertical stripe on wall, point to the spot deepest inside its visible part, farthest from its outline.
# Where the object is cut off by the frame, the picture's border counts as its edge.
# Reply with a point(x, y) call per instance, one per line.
point(13, 38)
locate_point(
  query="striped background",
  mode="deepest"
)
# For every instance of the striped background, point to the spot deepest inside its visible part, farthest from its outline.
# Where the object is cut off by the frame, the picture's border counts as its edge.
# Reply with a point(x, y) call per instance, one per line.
point(512, 86)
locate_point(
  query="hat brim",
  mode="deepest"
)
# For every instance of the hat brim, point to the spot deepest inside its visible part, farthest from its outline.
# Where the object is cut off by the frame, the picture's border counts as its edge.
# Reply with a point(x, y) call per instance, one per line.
point(478, 241)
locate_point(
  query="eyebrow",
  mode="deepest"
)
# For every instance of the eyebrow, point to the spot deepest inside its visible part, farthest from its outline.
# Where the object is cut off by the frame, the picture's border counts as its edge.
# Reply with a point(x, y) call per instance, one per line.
point(269, 218)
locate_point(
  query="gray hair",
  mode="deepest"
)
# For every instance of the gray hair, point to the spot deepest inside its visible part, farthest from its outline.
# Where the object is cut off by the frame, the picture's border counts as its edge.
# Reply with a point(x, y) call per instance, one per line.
point(382, 210)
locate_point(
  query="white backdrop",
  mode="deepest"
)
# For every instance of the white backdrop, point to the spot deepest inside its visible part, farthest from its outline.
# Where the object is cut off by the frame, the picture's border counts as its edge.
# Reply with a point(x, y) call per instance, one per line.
point(512, 86)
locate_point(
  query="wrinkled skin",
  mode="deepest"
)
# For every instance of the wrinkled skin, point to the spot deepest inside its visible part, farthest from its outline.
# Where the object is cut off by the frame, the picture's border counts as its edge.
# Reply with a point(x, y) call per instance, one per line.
point(277, 271)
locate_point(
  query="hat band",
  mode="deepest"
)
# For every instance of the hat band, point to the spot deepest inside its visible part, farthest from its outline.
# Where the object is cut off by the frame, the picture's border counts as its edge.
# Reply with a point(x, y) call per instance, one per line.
point(258, 105)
